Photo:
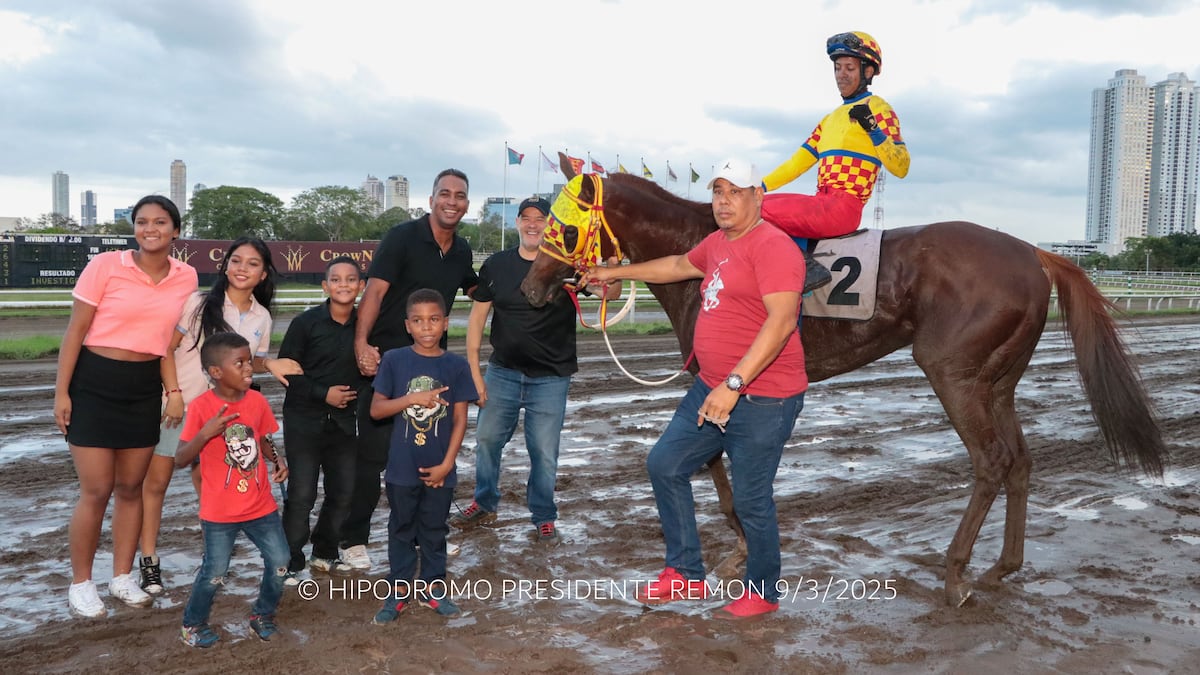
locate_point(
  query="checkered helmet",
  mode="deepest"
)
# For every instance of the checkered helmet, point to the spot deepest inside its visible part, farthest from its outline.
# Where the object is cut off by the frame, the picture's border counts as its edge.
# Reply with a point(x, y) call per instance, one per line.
point(857, 44)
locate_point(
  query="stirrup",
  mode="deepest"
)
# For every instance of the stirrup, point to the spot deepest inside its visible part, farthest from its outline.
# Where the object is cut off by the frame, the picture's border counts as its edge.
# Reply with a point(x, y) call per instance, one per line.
point(816, 275)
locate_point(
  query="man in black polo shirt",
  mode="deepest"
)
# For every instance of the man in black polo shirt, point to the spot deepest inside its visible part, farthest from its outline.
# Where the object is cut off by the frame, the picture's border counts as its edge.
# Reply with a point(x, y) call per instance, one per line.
point(422, 253)
point(533, 358)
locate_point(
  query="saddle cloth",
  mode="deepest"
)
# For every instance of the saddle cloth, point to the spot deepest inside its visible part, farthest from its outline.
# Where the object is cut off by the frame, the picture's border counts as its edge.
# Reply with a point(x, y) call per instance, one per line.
point(854, 261)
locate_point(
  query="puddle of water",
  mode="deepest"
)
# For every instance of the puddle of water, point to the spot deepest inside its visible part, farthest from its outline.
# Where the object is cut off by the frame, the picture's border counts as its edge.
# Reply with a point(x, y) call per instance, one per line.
point(1051, 587)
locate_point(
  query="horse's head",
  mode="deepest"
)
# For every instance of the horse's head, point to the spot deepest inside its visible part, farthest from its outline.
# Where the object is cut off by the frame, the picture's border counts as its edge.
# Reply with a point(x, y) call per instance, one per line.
point(573, 239)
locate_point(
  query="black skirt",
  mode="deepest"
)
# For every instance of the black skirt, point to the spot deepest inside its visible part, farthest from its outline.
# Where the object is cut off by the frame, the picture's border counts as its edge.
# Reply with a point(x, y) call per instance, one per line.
point(114, 404)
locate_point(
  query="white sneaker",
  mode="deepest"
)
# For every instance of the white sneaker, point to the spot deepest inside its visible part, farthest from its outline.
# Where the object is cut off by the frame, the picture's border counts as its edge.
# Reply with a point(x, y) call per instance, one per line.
point(452, 549)
point(85, 601)
point(127, 590)
point(333, 567)
point(356, 557)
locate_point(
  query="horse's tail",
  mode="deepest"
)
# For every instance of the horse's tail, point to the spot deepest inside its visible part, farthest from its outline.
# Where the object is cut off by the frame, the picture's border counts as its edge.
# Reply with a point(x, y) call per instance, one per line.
point(1120, 405)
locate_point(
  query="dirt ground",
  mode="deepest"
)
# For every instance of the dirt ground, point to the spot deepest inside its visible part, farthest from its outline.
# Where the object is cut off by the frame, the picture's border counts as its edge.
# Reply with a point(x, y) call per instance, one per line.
point(871, 488)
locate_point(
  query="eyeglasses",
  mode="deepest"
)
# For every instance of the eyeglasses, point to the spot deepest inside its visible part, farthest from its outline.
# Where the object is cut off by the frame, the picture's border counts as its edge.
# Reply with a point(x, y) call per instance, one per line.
point(849, 40)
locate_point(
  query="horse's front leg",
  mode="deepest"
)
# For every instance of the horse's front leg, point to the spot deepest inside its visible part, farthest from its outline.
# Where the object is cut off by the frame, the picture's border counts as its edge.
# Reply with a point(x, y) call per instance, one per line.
point(730, 567)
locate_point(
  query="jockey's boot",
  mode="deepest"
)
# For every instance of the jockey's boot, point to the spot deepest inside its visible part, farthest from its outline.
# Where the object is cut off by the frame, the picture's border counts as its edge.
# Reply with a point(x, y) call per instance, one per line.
point(816, 275)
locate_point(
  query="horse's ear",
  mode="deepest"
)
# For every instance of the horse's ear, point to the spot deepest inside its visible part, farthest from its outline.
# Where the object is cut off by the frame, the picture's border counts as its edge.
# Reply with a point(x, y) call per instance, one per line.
point(564, 163)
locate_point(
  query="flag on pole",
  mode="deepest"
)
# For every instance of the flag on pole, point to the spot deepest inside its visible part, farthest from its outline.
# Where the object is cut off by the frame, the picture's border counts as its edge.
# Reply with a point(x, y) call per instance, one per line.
point(548, 165)
point(695, 176)
point(671, 173)
point(646, 171)
point(576, 164)
point(597, 167)
point(621, 168)
point(514, 157)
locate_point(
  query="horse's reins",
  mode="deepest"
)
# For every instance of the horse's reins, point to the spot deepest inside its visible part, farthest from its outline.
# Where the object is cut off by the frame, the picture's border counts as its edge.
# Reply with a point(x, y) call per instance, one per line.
point(586, 254)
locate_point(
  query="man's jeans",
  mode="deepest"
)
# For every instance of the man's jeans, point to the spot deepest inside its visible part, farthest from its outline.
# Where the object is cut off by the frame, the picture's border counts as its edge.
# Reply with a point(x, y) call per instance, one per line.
point(545, 402)
point(309, 452)
point(267, 534)
point(754, 437)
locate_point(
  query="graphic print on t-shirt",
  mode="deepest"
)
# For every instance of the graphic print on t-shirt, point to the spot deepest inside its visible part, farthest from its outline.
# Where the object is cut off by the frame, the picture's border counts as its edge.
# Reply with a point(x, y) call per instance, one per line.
point(241, 455)
point(419, 418)
point(714, 288)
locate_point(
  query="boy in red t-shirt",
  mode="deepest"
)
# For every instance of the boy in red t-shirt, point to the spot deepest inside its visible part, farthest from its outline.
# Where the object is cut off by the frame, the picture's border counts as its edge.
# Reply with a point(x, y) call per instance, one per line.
point(228, 427)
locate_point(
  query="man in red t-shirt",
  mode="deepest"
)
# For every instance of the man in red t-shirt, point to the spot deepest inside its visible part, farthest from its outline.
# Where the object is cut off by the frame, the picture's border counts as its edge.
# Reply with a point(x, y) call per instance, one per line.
point(749, 392)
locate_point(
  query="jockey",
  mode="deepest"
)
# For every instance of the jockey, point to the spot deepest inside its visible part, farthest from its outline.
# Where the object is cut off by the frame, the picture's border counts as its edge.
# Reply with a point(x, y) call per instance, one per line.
point(849, 146)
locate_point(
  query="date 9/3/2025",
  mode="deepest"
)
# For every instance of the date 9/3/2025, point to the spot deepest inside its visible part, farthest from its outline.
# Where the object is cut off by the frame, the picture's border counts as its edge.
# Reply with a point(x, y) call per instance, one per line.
point(835, 589)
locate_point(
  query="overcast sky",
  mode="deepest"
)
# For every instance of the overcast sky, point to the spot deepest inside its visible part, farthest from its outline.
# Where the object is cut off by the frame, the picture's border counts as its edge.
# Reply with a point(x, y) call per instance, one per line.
point(993, 96)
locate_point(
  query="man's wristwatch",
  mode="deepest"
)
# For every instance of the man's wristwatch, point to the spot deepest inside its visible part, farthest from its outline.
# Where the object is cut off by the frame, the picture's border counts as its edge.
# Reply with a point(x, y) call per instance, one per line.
point(735, 382)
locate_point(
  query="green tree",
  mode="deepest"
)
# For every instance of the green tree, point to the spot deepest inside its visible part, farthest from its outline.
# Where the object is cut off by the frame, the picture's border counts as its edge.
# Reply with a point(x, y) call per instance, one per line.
point(386, 220)
point(121, 227)
point(1095, 261)
point(486, 235)
point(333, 213)
point(1177, 252)
point(229, 212)
point(51, 223)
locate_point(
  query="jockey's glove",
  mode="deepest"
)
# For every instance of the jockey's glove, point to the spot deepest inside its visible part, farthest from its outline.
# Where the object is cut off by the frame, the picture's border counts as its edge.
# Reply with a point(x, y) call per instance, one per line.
point(862, 114)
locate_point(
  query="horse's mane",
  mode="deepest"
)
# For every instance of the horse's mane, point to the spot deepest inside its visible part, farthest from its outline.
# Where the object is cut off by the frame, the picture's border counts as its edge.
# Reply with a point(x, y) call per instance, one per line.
point(660, 204)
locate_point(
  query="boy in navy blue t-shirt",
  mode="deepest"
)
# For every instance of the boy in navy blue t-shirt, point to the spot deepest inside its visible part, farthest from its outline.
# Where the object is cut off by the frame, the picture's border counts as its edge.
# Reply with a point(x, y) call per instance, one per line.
point(427, 390)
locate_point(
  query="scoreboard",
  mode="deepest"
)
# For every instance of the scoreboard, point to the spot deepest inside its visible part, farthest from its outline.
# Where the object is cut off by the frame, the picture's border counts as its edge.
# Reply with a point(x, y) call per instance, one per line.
point(56, 260)
point(51, 260)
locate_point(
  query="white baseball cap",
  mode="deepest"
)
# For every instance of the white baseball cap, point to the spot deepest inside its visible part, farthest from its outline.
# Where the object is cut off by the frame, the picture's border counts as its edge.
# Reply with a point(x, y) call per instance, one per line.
point(741, 174)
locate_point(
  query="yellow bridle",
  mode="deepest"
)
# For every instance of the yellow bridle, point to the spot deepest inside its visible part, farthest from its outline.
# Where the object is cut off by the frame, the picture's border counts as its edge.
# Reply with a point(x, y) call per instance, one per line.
point(588, 219)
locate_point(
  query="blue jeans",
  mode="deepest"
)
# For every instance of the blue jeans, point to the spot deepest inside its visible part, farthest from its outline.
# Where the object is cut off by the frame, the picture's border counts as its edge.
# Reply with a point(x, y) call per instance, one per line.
point(267, 534)
point(545, 402)
point(418, 518)
point(753, 439)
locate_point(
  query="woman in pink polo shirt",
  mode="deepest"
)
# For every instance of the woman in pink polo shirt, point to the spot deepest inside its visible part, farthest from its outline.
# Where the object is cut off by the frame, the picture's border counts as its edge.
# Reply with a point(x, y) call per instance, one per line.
point(113, 367)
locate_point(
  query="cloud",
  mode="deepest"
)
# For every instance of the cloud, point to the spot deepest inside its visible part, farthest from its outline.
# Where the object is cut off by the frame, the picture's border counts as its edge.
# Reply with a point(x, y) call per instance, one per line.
point(1096, 8)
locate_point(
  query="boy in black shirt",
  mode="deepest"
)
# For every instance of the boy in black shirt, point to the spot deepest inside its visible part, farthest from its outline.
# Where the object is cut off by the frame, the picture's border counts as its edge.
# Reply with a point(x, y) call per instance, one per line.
point(319, 419)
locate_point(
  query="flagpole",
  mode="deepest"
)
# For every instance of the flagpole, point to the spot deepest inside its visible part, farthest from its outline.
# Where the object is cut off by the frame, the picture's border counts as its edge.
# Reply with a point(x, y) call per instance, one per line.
point(503, 198)
point(541, 161)
point(690, 181)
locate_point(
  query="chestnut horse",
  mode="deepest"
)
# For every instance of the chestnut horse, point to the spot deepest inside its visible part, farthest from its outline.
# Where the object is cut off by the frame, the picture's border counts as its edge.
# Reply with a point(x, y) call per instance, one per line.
point(971, 301)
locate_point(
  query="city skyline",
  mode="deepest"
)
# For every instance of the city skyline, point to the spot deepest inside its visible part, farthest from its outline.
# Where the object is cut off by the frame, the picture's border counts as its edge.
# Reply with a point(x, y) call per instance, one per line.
point(285, 98)
point(1144, 159)
point(179, 186)
point(60, 194)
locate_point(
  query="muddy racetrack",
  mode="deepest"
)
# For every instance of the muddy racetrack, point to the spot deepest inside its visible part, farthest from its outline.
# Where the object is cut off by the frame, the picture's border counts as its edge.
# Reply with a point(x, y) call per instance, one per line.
point(871, 488)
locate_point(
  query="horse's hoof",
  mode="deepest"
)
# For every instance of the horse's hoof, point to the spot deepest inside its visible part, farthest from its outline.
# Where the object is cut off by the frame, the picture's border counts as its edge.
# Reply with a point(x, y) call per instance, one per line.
point(959, 596)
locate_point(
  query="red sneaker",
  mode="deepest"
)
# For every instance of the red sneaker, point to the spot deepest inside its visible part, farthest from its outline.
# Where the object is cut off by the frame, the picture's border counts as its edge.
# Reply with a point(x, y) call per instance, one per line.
point(750, 604)
point(672, 586)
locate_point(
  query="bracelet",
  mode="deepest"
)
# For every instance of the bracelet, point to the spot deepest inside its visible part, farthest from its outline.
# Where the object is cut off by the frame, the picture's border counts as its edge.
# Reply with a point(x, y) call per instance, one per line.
point(176, 390)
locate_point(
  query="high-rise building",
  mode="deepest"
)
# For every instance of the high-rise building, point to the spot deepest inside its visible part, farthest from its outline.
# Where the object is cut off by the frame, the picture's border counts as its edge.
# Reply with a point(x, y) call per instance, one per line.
point(179, 185)
point(87, 208)
point(60, 194)
point(1174, 157)
point(1145, 154)
point(395, 194)
point(372, 187)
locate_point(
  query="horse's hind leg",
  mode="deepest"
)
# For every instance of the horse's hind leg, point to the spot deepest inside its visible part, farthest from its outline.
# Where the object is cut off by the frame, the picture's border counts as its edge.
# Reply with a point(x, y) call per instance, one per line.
point(981, 410)
point(1016, 491)
point(729, 568)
